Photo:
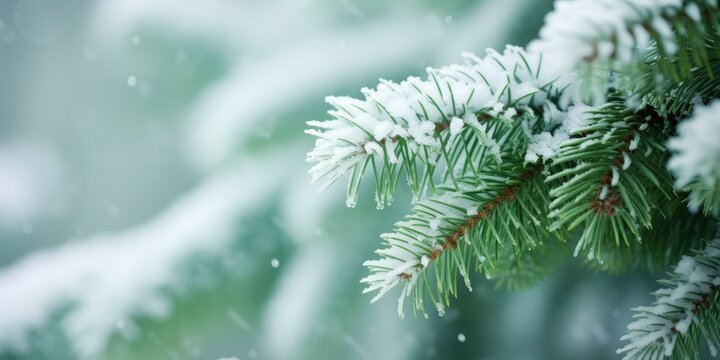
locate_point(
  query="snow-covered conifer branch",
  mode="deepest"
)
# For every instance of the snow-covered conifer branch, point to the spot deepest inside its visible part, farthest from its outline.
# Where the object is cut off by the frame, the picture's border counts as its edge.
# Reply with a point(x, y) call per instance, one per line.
point(696, 162)
point(616, 31)
point(613, 177)
point(458, 231)
point(686, 309)
point(674, 99)
point(418, 126)
point(606, 171)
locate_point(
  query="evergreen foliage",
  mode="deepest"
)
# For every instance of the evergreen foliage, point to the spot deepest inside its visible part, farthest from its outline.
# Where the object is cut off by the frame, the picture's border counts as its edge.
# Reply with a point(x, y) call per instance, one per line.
point(596, 137)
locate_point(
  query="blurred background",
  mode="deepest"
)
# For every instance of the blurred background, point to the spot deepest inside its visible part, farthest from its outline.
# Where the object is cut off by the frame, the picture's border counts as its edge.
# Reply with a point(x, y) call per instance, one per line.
point(155, 202)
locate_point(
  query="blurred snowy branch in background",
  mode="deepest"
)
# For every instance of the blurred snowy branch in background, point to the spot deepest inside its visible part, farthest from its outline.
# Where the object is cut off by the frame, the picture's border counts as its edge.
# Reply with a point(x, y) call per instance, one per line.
point(300, 71)
point(108, 279)
point(223, 115)
point(234, 27)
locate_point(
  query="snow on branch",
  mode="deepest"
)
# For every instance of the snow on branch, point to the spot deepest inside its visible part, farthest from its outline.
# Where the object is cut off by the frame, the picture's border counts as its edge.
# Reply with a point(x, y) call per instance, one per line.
point(616, 30)
point(546, 145)
point(685, 309)
point(696, 162)
point(611, 167)
point(397, 125)
point(455, 231)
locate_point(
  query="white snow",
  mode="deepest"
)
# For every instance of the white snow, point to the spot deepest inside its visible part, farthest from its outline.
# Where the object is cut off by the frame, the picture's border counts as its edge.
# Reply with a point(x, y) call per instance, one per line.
point(435, 224)
point(510, 113)
point(696, 147)
point(461, 337)
point(603, 193)
point(456, 126)
point(683, 325)
point(615, 176)
point(634, 142)
point(626, 161)
point(685, 266)
point(382, 130)
point(440, 309)
point(581, 30)
point(425, 261)
point(373, 148)
point(547, 145)
point(693, 11)
point(423, 133)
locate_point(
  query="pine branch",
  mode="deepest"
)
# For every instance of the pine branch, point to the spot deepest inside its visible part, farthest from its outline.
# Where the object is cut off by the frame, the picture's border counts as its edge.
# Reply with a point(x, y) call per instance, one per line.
point(467, 127)
point(685, 310)
point(613, 32)
point(457, 231)
point(423, 126)
point(660, 247)
point(649, 84)
point(614, 177)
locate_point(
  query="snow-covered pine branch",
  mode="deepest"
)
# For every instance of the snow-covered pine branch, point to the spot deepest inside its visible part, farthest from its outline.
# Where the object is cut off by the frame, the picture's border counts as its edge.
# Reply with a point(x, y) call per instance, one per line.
point(606, 166)
point(422, 125)
point(672, 85)
point(696, 162)
point(614, 32)
point(612, 169)
point(685, 309)
point(457, 231)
